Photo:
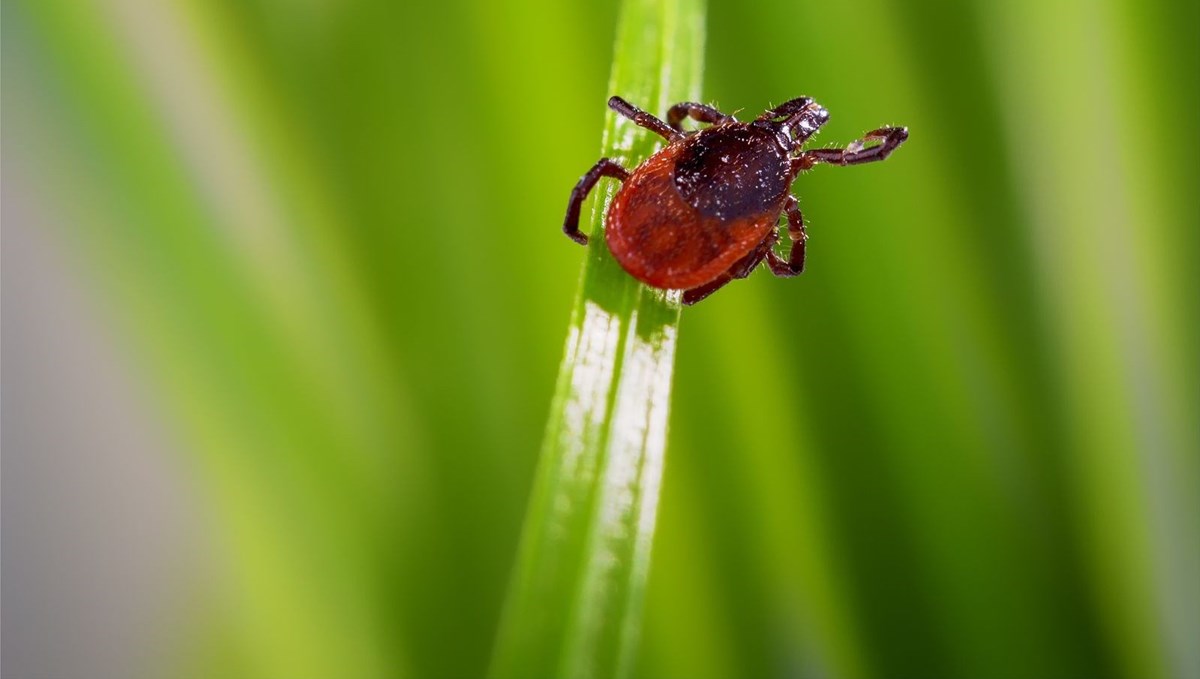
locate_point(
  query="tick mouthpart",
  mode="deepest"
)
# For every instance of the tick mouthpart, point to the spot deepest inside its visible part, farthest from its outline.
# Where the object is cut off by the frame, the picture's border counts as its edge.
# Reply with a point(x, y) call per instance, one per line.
point(804, 123)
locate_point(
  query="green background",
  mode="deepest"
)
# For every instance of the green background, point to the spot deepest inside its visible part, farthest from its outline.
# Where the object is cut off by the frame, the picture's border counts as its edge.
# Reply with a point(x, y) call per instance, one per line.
point(963, 444)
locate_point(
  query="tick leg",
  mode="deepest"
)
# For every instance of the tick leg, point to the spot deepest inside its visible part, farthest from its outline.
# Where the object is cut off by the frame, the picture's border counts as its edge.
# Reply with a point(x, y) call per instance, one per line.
point(794, 266)
point(694, 295)
point(698, 112)
point(740, 269)
point(603, 168)
point(890, 139)
point(801, 114)
point(642, 118)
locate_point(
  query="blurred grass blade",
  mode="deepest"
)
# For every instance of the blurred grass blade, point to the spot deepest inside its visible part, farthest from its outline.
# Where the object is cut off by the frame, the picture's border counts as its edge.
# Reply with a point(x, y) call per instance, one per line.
point(574, 605)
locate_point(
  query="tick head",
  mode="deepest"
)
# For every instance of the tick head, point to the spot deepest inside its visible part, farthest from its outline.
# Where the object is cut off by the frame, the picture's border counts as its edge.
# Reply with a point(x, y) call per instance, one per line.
point(794, 121)
point(804, 123)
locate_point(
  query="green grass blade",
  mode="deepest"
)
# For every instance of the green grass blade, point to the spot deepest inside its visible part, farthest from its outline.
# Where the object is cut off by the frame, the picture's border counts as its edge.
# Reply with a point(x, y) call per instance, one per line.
point(574, 606)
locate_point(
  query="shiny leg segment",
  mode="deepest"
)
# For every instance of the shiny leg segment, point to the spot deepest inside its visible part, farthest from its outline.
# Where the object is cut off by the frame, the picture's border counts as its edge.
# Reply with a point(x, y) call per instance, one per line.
point(603, 168)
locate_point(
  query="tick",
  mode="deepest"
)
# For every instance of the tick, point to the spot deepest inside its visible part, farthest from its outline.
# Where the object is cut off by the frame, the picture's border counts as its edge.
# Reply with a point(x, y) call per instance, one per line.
point(704, 210)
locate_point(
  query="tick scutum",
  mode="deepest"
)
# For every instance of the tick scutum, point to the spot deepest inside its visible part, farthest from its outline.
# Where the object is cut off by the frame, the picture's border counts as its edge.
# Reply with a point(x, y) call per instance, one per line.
point(733, 171)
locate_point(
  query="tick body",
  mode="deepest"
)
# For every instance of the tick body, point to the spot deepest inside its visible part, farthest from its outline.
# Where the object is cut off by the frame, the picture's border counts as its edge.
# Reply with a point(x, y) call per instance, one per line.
point(704, 210)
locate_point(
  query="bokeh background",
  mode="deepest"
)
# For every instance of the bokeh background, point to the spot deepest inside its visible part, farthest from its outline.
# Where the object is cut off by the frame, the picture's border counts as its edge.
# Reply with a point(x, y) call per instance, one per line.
point(284, 297)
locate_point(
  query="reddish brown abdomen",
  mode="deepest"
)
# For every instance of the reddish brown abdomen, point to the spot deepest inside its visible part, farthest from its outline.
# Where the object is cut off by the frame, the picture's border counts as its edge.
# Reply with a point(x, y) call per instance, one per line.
point(663, 240)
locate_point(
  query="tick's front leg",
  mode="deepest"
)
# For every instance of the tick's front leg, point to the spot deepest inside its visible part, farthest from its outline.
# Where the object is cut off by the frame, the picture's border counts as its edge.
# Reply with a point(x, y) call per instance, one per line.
point(698, 112)
point(794, 266)
point(890, 139)
point(603, 168)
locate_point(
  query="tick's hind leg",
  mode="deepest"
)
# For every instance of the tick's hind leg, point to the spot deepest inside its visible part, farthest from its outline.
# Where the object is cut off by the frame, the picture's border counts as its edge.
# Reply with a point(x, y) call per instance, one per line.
point(740, 269)
point(794, 265)
point(890, 139)
point(694, 295)
point(698, 112)
point(603, 168)
point(642, 118)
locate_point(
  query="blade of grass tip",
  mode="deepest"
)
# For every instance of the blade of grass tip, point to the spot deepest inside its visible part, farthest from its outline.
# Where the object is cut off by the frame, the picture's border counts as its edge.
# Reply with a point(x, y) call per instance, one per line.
point(574, 604)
